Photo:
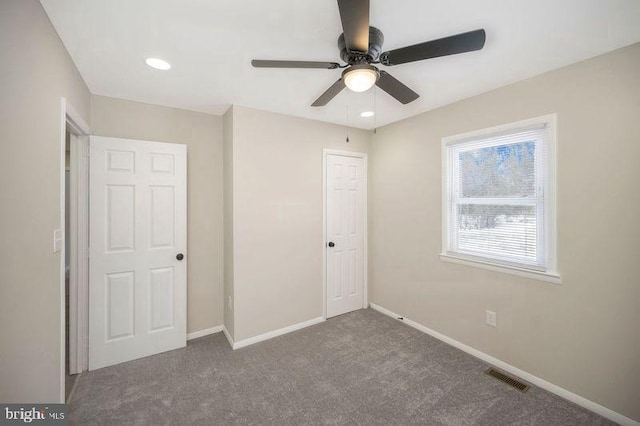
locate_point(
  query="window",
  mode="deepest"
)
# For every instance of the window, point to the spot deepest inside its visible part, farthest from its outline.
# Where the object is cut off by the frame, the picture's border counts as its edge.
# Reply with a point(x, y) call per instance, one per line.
point(499, 198)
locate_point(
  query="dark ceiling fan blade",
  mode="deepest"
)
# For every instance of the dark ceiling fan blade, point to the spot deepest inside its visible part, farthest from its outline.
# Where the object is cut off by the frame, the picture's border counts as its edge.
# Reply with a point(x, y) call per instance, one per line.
point(355, 24)
point(258, 63)
point(329, 94)
point(460, 43)
point(395, 88)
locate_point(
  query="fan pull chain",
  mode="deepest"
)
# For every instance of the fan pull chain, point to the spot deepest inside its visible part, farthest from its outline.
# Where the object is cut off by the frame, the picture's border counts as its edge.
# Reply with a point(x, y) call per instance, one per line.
point(348, 127)
point(375, 110)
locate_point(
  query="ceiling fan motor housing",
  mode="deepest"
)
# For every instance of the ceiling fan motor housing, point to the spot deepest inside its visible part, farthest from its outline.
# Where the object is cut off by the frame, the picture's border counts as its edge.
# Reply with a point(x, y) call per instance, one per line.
point(376, 40)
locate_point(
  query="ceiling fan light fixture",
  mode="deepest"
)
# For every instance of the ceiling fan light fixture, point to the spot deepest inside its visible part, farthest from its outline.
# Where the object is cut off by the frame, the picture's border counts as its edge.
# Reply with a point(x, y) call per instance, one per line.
point(360, 78)
point(360, 46)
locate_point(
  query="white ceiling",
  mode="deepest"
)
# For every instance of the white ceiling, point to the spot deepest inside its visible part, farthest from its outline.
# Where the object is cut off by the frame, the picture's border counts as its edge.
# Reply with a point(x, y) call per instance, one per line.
point(210, 44)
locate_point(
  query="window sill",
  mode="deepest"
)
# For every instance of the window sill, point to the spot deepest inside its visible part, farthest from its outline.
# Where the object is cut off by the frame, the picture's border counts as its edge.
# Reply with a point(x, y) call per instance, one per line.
point(526, 273)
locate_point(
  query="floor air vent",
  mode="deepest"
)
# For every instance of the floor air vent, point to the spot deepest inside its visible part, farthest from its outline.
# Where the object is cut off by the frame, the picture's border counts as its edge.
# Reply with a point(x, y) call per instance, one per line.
point(522, 387)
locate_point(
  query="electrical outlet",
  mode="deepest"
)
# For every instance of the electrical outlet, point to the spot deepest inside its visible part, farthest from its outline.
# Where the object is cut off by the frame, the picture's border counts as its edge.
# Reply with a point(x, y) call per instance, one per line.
point(491, 318)
point(230, 303)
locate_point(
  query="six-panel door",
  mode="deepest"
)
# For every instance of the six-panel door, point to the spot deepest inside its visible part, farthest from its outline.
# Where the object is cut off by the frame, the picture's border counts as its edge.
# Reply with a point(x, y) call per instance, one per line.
point(345, 233)
point(137, 290)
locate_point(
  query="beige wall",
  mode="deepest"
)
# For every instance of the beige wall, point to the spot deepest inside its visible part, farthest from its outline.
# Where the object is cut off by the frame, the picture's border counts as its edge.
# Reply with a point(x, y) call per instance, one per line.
point(202, 133)
point(581, 335)
point(36, 72)
point(228, 220)
point(277, 216)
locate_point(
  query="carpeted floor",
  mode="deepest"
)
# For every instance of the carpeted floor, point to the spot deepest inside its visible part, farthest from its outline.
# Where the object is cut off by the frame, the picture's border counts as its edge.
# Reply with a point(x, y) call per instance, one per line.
point(359, 368)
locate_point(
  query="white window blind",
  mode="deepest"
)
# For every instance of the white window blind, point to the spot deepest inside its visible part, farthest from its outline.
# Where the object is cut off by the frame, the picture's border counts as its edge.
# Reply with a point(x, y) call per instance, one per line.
point(496, 197)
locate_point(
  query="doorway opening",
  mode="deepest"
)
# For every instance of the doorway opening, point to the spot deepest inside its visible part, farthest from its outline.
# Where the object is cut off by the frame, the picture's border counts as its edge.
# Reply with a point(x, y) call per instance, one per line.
point(70, 379)
point(74, 271)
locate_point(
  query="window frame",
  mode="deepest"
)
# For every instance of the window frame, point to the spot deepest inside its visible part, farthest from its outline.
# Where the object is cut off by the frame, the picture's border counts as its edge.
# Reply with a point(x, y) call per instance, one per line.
point(545, 191)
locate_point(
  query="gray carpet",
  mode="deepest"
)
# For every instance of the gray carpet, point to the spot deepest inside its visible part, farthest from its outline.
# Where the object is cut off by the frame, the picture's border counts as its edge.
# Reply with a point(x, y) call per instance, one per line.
point(359, 368)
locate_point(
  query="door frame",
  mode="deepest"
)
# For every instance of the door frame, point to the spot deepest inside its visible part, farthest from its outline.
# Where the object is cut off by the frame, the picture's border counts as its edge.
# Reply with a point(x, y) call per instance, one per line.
point(365, 284)
point(71, 120)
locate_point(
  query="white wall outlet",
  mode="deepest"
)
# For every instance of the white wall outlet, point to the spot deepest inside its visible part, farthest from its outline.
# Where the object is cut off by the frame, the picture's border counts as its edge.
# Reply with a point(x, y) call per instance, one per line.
point(491, 318)
point(58, 240)
point(230, 303)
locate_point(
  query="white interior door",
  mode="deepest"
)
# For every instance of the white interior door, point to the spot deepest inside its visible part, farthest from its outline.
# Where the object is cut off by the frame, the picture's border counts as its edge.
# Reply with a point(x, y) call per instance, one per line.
point(345, 227)
point(137, 215)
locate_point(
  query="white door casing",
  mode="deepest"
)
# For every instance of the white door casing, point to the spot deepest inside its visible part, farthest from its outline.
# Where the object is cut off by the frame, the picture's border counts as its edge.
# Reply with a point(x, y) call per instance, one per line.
point(138, 211)
point(345, 216)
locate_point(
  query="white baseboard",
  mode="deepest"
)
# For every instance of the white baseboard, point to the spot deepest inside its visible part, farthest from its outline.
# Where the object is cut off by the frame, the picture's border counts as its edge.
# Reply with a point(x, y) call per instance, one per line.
point(577, 399)
point(227, 335)
point(274, 333)
point(205, 332)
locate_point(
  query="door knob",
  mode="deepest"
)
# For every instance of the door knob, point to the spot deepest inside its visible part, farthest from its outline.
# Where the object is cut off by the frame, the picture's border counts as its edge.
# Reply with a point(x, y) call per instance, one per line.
point(331, 244)
point(180, 256)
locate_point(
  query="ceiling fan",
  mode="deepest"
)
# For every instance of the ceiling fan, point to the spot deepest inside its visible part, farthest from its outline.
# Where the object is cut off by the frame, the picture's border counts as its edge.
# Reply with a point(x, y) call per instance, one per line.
point(361, 46)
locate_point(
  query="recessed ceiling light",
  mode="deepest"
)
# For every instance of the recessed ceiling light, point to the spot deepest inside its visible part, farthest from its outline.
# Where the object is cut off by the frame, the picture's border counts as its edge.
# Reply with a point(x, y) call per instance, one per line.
point(158, 64)
point(367, 114)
